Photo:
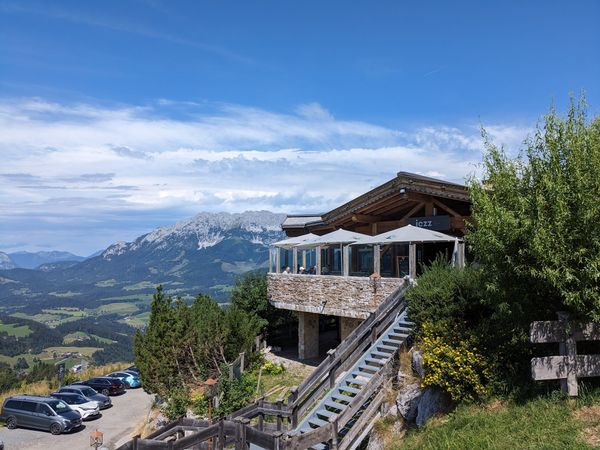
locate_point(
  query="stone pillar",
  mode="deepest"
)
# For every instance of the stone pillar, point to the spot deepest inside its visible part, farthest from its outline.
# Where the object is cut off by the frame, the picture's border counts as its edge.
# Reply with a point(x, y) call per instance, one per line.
point(308, 335)
point(377, 259)
point(347, 326)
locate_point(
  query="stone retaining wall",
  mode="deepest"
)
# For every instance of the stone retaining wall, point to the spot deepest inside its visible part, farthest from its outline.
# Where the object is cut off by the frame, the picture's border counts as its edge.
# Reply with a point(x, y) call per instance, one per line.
point(355, 297)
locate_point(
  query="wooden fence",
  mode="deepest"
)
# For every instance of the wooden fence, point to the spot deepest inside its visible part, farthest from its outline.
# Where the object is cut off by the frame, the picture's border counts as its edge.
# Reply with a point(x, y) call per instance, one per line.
point(568, 366)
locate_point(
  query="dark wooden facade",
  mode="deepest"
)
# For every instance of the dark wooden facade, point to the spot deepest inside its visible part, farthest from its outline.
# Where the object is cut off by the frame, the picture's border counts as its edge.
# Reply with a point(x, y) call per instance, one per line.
point(442, 205)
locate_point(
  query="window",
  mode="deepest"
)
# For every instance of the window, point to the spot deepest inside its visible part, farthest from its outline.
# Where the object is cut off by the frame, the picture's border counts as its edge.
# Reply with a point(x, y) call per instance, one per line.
point(45, 409)
point(13, 404)
point(28, 406)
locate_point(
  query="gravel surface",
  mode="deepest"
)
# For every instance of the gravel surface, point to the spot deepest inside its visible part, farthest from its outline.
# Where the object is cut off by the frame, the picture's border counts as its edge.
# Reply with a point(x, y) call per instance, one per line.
point(117, 423)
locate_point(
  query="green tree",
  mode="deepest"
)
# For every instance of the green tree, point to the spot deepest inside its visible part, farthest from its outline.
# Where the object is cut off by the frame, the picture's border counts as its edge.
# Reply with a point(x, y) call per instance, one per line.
point(183, 345)
point(250, 295)
point(536, 228)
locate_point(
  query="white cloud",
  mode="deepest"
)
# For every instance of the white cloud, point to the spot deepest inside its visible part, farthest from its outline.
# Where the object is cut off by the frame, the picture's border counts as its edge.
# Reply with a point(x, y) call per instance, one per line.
point(104, 166)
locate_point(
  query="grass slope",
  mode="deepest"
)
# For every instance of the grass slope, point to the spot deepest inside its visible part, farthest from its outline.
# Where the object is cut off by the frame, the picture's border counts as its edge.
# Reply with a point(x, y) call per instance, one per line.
point(542, 423)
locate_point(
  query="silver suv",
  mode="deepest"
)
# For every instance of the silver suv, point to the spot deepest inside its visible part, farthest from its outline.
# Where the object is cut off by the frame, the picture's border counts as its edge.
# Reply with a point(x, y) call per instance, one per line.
point(43, 413)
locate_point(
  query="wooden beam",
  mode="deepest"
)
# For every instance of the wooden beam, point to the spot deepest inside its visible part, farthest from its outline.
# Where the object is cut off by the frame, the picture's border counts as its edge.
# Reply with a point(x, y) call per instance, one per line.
point(413, 210)
point(446, 208)
point(364, 218)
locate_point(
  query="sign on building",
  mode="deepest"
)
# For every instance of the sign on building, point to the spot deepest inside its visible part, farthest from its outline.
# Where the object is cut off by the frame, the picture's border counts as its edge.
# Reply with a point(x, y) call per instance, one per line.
point(437, 223)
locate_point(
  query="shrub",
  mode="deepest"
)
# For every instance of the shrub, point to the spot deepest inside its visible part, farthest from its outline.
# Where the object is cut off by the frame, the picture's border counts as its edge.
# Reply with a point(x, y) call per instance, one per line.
point(453, 364)
point(177, 404)
point(271, 368)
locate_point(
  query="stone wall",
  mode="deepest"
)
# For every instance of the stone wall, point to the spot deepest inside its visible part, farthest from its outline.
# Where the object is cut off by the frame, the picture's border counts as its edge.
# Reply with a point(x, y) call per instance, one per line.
point(354, 297)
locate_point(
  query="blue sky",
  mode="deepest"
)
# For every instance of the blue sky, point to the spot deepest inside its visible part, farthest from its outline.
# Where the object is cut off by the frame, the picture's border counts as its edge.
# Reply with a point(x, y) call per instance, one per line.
point(117, 117)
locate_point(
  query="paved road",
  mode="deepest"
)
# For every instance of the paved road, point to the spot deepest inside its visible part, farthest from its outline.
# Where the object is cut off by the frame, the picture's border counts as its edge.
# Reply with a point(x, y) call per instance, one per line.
point(117, 423)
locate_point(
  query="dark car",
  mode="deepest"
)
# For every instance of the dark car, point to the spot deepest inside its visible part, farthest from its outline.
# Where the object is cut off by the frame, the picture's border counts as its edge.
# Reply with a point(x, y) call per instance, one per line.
point(131, 379)
point(105, 385)
point(88, 392)
point(44, 413)
point(133, 369)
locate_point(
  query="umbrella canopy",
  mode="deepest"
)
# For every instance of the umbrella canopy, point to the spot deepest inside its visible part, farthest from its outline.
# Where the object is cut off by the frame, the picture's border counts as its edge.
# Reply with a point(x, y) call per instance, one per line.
point(293, 241)
point(335, 237)
point(408, 234)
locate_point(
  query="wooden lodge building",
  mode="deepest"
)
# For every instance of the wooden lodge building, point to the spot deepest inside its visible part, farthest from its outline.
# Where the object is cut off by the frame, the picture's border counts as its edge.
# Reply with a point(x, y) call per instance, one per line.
point(358, 253)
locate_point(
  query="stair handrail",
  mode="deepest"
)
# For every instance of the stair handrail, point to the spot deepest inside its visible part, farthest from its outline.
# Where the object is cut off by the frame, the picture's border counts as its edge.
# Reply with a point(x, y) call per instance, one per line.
point(347, 353)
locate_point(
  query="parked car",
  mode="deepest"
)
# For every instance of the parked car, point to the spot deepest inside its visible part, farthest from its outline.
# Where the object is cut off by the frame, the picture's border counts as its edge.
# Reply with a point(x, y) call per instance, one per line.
point(132, 369)
point(105, 385)
point(130, 380)
point(89, 409)
point(88, 392)
point(44, 413)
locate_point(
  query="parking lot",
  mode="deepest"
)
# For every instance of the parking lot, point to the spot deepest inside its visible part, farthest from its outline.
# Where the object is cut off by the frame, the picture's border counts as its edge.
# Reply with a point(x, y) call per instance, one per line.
point(118, 423)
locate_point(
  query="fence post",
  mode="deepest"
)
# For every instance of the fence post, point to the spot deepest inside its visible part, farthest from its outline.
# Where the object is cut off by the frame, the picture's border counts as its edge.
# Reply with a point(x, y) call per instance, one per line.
point(568, 348)
point(221, 435)
point(293, 397)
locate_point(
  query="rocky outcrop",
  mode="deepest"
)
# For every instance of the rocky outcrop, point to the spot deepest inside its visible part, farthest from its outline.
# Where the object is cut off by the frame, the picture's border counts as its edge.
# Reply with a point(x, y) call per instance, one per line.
point(407, 401)
point(433, 401)
point(417, 364)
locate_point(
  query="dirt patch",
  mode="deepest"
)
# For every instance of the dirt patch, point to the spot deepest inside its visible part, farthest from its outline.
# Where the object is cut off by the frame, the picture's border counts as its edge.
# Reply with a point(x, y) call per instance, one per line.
point(590, 416)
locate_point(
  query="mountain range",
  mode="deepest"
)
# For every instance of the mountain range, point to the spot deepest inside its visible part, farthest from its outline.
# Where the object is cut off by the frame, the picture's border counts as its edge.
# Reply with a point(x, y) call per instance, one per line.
point(32, 260)
point(203, 254)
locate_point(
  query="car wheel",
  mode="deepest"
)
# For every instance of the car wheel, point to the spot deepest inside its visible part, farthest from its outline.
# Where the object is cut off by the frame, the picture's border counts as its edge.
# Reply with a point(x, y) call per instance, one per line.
point(55, 428)
point(11, 423)
point(105, 392)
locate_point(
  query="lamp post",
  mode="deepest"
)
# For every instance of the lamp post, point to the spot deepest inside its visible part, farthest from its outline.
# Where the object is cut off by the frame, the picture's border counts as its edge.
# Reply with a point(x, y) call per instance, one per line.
point(96, 439)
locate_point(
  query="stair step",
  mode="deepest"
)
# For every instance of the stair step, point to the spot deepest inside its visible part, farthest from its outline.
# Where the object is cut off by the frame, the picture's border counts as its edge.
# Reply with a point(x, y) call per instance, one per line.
point(392, 341)
point(405, 323)
point(342, 397)
point(317, 422)
point(325, 413)
point(320, 446)
point(382, 355)
point(387, 347)
point(367, 368)
point(357, 380)
point(379, 362)
point(398, 336)
point(336, 405)
point(349, 389)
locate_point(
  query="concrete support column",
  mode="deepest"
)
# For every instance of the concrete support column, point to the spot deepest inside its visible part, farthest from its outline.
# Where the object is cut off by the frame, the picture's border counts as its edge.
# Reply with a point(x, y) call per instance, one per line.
point(461, 254)
point(347, 326)
point(308, 335)
point(271, 259)
point(412, 260)
point(304, 260)
point(278, 260)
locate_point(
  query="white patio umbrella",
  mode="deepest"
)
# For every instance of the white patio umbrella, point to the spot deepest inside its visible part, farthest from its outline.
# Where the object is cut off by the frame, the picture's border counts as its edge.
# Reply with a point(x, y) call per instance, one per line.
point(340, 236)
point(407, 234)
point(293, 241)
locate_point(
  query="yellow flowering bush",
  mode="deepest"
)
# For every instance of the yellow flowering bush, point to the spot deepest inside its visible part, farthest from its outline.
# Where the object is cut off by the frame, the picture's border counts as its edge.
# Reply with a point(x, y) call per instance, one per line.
point(453, 364)
point(272, 368)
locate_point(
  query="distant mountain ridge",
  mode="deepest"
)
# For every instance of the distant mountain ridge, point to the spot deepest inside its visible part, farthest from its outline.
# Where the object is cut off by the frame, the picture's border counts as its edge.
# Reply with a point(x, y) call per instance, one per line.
point(31, 260)
point(203, 254)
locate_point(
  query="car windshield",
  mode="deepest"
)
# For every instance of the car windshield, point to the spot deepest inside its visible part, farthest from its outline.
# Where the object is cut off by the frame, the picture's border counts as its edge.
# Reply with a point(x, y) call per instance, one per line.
point(59, 407)
point(76, 399)
point(88, 392)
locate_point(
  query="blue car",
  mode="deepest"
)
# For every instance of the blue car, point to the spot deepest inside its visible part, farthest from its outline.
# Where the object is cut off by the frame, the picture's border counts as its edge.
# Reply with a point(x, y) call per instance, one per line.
point(130, 380)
